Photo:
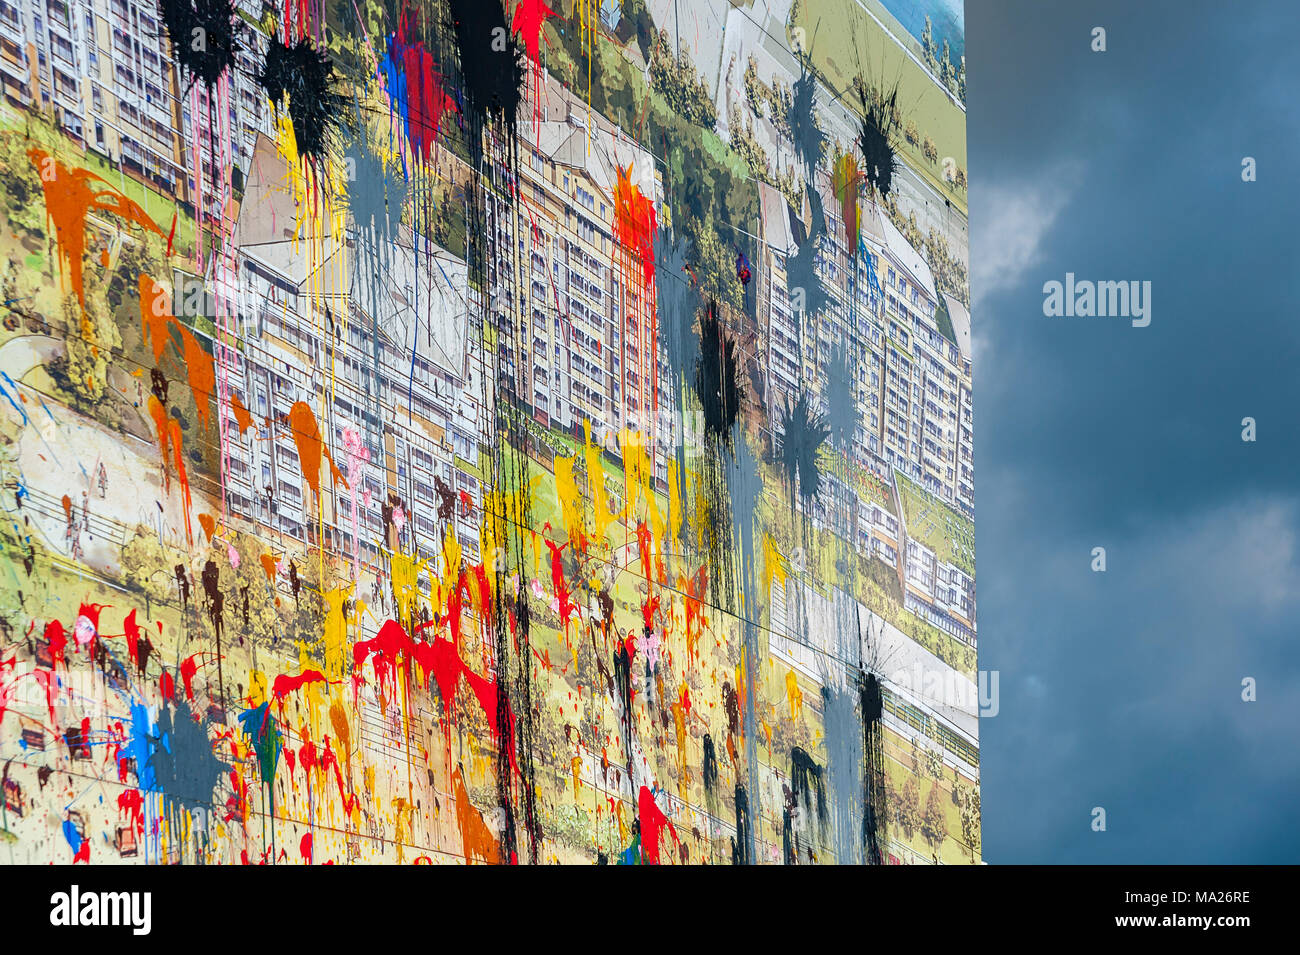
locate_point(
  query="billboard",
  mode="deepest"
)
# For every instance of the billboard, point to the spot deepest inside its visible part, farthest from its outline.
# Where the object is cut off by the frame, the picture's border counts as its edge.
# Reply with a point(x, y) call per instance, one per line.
point(451, 431)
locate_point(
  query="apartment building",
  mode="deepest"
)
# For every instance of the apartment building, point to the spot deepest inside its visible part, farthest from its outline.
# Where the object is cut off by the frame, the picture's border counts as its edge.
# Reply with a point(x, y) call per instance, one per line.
point(585, 356)
point(103, 69)
point(417, 392)
point(911, 380)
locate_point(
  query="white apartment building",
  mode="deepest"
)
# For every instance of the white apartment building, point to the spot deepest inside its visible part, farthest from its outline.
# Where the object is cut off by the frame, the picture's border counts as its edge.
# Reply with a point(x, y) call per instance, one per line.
point(422, 408)
point(580, 359)
point(103, 69)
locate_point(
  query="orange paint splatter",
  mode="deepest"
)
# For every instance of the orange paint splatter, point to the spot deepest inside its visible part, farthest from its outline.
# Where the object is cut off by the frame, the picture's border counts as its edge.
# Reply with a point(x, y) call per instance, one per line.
point(208, 523)
point(307, 438)
point(476, 838)
point(242, 417)
point(203, 378)
point(169, 438)
point(70, 195)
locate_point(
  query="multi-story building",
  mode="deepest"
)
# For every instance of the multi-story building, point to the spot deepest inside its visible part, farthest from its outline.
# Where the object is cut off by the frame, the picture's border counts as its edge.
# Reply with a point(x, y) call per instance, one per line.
point(415, 393)
point(913, 379)
point(580, 355)
point(104, 70)
point(905, 348)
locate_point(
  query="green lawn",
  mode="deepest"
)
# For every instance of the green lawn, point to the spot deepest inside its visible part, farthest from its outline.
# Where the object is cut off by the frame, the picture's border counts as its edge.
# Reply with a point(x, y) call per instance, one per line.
point(936, 525)
point(844, 41)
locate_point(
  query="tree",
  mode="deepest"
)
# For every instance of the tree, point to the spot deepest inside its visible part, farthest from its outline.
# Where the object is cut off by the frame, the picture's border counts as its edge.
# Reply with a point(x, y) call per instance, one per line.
point(148, 567)
point(676, 80)
point(934, 823)
point(22, 196)
point(909, 807)
point(90, 338)
point(933, 762)
point(970, 820)
point(248, 582)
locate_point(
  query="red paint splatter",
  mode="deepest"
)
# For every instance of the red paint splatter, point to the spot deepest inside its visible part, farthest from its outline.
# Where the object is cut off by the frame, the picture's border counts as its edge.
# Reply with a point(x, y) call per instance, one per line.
point(653, 822)
point(567, 607)
point(527, 25)
point(57, 638)
point(415, 87)
point(635, 227)
point(392, 651)
point(131, 804)
point(284, 684)
point(189, 668)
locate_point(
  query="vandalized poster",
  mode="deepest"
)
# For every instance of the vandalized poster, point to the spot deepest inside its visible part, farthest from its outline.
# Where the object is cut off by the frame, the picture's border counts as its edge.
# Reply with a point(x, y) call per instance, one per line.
point(439, 431)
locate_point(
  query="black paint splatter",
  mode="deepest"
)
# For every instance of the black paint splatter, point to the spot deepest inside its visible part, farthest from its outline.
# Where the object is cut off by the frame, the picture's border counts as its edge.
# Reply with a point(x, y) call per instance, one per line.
point(446, 499)
point(740, 844)
point(710, 768)
point(801, 117)
point(805, 432)
point(202, 35)
point(878, 136)
point(183, 582)
point(715, 378)
point(491, 63)
point(806, 776)
point(873, 769)
point(306, 77)
point(211, 578)
point(158, 385)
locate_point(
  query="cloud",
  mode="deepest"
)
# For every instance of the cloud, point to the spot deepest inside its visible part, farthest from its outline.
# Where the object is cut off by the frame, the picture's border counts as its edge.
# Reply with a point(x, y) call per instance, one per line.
point(1011, 222)
point(1123, 690)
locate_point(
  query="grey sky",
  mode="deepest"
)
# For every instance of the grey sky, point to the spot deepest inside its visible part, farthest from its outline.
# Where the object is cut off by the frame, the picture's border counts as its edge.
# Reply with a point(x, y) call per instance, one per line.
point(1123, 689)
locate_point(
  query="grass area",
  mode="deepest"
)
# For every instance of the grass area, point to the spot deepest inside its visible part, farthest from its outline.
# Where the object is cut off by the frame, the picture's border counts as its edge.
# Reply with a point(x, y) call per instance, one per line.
point(161, 208)
point(936, 525)
point(952, 851)
point(844, 40)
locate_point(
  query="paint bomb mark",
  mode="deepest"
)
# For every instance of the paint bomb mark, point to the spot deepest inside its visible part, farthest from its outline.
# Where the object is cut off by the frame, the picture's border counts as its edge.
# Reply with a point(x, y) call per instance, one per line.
point(202, 35)
point(804, 433)
point(415, 86)
point(873, 769)
point(878, 136)
point(715, 379)
point(709, 768)
point(307, 438)
point(743, 838)
point(304, 75)
point(491, 63)
point(71, 195)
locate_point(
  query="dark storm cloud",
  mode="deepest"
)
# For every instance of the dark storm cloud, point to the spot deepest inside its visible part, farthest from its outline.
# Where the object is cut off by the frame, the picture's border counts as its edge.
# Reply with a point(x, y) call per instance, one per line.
point(1123, 689)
